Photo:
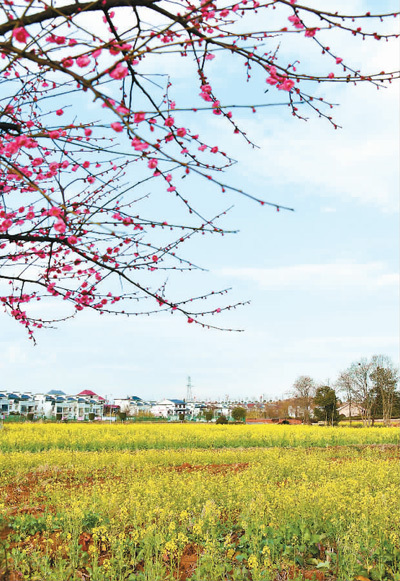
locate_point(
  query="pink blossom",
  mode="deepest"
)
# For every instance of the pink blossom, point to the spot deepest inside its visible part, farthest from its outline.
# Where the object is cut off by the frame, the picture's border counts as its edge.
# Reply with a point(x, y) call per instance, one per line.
point(88, 132)
point(83, 61)
point(210, 57)
point(139, 117)
point(310, 32)
point(287, 85)
point(181, 132)
point(122, 110)
point(190, 320)
point(119, 72)
point(59, 112)
point(339, 60)
point(60, 226)
point(20, 35)
point(271, 80)
point(152, 163)
point(54, 211)
point(295, 20)
point(67, 62)
point(117, 127)
point(56, 39)
point(205, 96)
point(331, 76)
point(5, 225)
point(138, 144)
point(37, 161)
point(169, 122)
point(72, 239)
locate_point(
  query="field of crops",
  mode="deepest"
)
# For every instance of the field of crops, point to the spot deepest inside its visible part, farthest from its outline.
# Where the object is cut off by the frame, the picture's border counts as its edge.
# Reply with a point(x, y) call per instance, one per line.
point(201, 502)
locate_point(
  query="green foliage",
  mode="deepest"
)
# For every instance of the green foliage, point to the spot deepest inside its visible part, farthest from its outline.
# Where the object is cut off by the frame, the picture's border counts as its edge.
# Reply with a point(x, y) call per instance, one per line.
point(221, 420)
point(326, 403)
point(208, 415)
point(239, 414)
point(90, 520)
point(27, 524)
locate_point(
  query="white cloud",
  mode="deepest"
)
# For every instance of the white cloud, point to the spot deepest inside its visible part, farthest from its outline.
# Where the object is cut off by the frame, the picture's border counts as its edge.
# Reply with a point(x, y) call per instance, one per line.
point(316, 276)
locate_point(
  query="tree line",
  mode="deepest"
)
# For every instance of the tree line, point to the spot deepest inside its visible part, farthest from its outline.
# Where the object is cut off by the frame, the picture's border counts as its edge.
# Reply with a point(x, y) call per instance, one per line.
point(369, 386)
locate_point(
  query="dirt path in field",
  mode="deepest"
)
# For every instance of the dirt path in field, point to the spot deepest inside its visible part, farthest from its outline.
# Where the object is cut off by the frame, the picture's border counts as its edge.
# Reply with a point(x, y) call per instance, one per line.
point(210, 468)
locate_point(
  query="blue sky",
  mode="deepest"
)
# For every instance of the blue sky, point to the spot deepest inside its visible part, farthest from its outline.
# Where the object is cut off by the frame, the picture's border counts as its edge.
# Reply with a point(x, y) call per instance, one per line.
point(322, 281)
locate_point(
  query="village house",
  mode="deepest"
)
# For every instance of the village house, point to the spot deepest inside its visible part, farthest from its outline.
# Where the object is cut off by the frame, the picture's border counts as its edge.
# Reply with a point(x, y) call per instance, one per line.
point(4, 404)
point(133, 405)
point(351, 409)
point(169, 408)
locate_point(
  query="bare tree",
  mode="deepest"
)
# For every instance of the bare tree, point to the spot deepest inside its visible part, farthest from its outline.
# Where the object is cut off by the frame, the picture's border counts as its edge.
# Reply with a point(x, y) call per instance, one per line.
point(304, 391)
point(366, 378)
point(385, 378)
point(363, 387)
point(344, 384)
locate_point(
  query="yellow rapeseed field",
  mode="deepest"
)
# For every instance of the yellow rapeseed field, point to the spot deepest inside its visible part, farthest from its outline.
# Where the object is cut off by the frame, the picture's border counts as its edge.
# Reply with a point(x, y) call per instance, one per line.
point(201, 502)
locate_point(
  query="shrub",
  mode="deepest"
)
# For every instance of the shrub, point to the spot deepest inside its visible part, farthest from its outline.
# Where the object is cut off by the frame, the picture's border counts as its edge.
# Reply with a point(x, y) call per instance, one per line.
point(221, 420)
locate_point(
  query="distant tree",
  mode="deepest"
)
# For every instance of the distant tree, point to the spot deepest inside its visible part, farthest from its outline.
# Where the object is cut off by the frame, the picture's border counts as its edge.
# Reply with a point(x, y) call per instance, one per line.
point(385, 379)
point(277, 409)
point(126, 409)
point(326, 404)
point(208, 415)
point(239, 414)
point(362, 382)
point(344, 384)
point(304, 391)
point(396, 405)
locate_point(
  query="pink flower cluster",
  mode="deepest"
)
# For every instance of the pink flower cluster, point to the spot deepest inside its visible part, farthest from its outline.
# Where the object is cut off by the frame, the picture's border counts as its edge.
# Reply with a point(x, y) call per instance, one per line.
point(12, 147)
point(119, 72)
point(205, 92)
point(297, 23)
point(20, 35)
point(282, 82)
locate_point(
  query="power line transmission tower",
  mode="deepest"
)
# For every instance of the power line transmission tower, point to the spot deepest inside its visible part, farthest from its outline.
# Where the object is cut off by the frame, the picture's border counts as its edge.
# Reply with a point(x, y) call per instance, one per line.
point(189, 394)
